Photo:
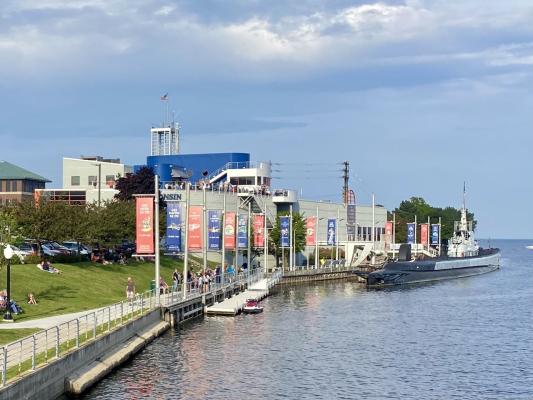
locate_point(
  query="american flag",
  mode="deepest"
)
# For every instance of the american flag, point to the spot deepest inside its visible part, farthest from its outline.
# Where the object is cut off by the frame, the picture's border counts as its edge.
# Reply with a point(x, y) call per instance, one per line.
point(164, 97)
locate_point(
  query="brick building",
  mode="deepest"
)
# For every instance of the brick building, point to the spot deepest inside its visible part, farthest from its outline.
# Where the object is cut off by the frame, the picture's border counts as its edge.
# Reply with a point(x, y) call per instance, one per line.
point(18, 184)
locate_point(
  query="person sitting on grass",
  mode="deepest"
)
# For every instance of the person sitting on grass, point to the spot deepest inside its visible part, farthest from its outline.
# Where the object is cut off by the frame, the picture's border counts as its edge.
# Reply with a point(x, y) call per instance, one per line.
point(31, 298)
point(3, 300)
point(46, 266)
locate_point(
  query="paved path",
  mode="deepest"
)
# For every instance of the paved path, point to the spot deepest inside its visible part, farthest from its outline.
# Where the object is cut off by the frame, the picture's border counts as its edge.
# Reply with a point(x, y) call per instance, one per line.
point(47, 322)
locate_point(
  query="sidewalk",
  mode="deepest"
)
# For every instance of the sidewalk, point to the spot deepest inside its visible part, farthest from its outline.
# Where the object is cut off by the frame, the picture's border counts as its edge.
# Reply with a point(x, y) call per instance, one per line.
point(47, 322)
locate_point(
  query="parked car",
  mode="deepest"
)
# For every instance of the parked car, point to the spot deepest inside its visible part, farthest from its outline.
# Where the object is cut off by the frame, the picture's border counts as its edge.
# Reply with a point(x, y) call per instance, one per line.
point(76, 247)
point(62, 249)
point(32, 246)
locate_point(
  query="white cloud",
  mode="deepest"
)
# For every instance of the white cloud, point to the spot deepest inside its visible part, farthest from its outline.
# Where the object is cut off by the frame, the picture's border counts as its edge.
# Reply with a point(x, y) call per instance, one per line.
point(75, 37)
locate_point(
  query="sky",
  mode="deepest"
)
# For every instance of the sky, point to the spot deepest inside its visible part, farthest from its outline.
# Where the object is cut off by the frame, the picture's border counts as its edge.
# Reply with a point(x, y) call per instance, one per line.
point(418, 95)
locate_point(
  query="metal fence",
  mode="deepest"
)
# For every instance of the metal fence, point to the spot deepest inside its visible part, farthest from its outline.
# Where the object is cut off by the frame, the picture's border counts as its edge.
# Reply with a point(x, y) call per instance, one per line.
point(30, 352)
point(329, 267)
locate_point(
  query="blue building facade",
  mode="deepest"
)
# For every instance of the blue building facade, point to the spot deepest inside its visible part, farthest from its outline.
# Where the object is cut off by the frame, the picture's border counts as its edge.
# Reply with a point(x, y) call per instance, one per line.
point(191, 165)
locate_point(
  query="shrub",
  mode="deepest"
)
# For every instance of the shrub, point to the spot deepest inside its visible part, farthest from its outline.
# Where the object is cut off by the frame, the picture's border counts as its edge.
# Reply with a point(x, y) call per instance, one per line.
point(67, 258)
point(32, 259)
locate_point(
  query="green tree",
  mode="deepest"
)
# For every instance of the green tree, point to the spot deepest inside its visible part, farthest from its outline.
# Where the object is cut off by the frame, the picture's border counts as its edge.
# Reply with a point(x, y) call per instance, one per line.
point(407, 210)
point(298, 223)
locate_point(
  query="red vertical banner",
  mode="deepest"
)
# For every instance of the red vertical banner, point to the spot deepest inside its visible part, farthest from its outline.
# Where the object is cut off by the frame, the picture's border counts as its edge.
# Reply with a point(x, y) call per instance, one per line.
point(144, 225)
point(388, 228)
point(229, 230)
point(194, 234)
point(423, 233)
point(310, 231)
point(259, 227)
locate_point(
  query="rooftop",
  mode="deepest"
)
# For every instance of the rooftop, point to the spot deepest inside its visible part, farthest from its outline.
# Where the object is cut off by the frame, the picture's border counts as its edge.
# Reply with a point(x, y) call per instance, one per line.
point(11, 171)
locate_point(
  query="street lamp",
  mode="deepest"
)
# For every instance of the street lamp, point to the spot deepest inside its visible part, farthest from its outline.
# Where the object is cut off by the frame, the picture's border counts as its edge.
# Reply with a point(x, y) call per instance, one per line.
point(8, 254)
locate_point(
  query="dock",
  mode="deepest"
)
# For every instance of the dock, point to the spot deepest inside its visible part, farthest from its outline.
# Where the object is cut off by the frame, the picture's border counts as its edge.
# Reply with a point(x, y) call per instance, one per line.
point(235, 304)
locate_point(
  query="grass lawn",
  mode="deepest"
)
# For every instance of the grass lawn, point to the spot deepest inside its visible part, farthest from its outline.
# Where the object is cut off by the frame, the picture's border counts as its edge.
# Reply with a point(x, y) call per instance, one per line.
point(80, 286)
point(10, 335)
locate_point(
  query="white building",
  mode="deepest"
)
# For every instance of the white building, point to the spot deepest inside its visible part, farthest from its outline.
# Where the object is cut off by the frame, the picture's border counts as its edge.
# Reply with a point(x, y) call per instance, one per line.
point(88, 179)
point(165, 140)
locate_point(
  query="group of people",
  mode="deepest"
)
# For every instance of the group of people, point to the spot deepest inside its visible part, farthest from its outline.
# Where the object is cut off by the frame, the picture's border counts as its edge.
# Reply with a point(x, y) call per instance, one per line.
point(201, 281)
point(12, 306)
point(46, 266)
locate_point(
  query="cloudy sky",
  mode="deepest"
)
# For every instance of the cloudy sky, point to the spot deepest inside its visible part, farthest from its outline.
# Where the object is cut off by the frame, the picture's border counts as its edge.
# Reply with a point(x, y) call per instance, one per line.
point(419, 95)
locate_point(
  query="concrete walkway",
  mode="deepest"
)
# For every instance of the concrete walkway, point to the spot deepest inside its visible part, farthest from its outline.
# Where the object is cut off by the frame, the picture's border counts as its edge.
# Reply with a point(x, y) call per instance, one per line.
point(47, 322)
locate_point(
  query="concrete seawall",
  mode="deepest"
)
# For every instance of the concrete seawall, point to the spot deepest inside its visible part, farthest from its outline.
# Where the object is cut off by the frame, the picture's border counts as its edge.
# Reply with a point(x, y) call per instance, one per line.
point(85, 366)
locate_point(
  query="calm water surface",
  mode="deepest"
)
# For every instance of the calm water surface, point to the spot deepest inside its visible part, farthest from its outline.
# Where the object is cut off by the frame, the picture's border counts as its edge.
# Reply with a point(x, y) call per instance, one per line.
point(468, 338)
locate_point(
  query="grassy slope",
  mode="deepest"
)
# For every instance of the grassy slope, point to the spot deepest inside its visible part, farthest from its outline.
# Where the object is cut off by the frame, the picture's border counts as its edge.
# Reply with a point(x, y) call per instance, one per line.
point(80, 286)
point(10, 335)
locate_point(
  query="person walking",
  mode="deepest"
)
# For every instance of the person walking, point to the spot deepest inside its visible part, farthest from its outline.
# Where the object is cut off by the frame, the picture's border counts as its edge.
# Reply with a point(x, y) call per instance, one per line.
point(130, 289)
point(176, 279)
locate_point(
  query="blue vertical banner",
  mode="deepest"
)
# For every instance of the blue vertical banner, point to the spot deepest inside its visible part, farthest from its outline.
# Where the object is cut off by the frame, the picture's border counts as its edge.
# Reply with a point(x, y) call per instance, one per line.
point(332, 231)
point(411, 233)
point(242, 231)
point(284, 223)
point(173, 238)
point(435, 234)
point(214, 226)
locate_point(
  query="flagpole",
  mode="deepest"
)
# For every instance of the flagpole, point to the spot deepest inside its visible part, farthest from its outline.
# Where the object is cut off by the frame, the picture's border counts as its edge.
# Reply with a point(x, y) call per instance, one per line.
point(248, 255)
point(156, 223)
point(186, 256)
point(223, 269)
point(290, 239)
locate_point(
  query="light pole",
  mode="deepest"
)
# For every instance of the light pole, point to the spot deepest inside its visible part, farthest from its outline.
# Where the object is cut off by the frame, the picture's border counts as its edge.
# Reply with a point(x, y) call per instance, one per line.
point(8, 254)
point(99, 165)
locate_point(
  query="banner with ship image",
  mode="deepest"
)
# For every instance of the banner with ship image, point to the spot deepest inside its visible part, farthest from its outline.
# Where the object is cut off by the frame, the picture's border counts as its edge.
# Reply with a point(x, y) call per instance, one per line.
point(195, 228)
point(214, 218)
point(411, 233)
point(173, 237)
point(435, 234)
point(242, 231)
point(145, 225)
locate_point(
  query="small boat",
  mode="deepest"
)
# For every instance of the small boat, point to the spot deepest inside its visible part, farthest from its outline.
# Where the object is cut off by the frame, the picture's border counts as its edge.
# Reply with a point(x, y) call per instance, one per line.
point(252, 307)
point(529, 247)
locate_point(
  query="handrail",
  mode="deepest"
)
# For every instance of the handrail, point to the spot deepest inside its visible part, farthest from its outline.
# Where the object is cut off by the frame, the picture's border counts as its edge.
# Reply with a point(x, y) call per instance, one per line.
point(29, 353)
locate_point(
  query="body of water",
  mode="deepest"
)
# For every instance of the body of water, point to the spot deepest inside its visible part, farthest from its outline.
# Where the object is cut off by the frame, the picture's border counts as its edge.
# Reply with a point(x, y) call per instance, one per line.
point(467, 338)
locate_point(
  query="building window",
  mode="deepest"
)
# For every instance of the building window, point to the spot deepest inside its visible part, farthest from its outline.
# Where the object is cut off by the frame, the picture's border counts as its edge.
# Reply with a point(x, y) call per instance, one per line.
point(75, 181)
point(14, 186)
point(8, 186)
point(110, 180)
point(92, 180)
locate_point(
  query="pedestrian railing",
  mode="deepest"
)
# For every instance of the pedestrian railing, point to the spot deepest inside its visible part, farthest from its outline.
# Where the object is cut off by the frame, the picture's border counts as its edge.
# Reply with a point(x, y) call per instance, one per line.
point(218, 282)
point(27, 354)
point(331, 268)
point(30, 352)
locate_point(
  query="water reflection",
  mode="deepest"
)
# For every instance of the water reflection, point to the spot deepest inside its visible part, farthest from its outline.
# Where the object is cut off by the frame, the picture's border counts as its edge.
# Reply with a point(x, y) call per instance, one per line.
point(460, 339)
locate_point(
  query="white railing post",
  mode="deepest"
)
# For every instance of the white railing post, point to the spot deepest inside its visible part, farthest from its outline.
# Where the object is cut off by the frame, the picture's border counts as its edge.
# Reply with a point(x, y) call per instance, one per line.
point(77, 333)
point(108, 319)
point(57, 341)
point(33, 354)
point(46, 346)
point(4, 366)
point(142, 303)
point(94, 324)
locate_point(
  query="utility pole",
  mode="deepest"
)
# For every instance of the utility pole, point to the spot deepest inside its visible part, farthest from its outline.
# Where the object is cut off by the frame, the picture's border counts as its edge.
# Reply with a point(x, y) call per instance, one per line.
point(346, 177)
